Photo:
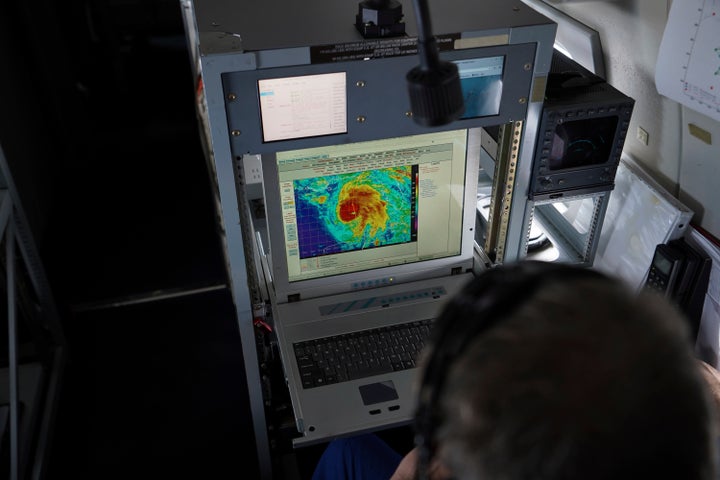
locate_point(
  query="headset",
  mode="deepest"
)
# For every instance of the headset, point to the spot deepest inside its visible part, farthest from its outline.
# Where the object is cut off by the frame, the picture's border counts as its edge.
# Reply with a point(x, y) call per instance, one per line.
point(488, 299)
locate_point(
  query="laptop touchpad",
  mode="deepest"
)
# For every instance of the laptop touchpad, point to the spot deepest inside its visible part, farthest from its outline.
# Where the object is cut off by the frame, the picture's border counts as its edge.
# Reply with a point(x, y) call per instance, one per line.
point(378, 392)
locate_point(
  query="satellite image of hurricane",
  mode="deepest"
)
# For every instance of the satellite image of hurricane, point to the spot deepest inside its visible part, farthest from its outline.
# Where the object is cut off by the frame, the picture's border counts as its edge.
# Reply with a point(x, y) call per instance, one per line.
point(354, 211)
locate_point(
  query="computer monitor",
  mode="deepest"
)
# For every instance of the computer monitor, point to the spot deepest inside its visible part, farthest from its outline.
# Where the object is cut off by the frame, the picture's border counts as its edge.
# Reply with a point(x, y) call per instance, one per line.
point(367, 206)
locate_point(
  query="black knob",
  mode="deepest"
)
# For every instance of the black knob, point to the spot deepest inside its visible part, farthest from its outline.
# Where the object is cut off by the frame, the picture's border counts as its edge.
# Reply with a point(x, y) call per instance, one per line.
point(435, 94)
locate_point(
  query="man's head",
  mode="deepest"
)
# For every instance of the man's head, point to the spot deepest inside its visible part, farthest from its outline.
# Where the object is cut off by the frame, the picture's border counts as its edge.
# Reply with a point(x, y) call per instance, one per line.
point(555, 372)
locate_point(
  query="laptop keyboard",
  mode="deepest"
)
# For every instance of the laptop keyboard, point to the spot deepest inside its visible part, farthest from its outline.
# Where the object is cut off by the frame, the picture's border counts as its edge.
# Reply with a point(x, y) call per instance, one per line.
point(350, 356)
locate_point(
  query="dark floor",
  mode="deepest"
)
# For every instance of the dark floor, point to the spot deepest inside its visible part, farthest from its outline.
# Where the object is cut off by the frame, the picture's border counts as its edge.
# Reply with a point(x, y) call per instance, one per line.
point(155, 391)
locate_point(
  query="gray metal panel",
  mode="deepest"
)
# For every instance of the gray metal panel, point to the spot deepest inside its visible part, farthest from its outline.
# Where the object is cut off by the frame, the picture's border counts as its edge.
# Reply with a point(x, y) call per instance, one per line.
point(581, 41)
point(520, 214)
point(275, 24)
point(382, 101)
point(212, 69)
point(544, 37)
point(188, 16)
point(281, 58)
point(521, 210)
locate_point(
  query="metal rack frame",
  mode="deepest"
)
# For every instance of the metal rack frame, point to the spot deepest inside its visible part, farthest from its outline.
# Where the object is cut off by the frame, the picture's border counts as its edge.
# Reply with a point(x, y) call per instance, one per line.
point(218, 51)
point(37, 383)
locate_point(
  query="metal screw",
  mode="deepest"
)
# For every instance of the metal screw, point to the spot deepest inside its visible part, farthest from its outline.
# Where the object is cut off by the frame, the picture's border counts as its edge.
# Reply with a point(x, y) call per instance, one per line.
point(231, 96)
point(215, 24)
point(522, 100)
point(360, 119)
point(516, 9)
point(527, 66)
point(360, 83)
point(235, 133)
point(408, 114)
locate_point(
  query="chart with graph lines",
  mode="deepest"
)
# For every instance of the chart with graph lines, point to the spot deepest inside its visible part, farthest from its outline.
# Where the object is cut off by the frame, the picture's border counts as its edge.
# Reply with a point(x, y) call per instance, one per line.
point(688, 68)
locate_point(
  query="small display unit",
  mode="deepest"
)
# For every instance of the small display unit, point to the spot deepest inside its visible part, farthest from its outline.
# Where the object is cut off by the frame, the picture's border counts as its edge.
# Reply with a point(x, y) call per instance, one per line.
point(582, 132)
point(481, 80)
point(303, 106)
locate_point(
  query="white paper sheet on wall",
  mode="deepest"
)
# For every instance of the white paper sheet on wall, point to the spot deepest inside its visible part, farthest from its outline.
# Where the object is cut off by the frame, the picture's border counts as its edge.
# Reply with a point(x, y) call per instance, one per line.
point(688, 66)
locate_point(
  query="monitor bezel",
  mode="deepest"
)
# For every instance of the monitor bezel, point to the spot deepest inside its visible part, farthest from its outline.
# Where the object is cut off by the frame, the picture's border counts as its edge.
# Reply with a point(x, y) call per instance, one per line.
point(358, 280)
point(377, 97)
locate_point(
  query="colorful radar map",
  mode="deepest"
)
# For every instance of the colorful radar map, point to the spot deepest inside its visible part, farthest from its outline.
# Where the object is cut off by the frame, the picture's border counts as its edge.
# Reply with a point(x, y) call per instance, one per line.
point(355, 211)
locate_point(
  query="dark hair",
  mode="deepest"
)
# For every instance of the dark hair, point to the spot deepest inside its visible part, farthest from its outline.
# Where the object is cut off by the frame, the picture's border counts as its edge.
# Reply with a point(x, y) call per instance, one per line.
point(570, 377)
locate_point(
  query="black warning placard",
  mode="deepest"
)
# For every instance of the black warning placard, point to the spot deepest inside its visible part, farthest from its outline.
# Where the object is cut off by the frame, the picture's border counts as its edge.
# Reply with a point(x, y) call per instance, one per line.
point(374, 48)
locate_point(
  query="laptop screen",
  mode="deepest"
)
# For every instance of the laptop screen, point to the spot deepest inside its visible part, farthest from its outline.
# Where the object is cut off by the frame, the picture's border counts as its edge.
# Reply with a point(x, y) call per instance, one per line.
point(369, 205)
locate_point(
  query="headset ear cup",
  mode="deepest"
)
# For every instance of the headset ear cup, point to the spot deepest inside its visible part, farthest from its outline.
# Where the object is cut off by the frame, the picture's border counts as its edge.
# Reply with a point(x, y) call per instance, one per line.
point(484, 302)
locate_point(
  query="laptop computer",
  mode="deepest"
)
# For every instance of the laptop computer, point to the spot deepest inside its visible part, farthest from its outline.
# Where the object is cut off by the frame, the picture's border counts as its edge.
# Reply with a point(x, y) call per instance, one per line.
point(363, 236)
